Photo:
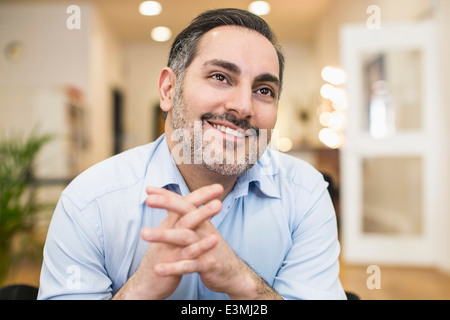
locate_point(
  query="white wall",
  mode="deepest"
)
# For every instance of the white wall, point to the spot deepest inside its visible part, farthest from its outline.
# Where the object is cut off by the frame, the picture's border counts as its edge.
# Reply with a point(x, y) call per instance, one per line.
point(105, 73)
point(52, 55)
point(142, 64)
point(32, 89)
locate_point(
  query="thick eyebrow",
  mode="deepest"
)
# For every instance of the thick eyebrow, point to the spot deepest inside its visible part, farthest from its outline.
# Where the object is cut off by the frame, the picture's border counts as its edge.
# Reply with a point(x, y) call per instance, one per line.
point(268, 77)
point(265, 77)
point(223, 64)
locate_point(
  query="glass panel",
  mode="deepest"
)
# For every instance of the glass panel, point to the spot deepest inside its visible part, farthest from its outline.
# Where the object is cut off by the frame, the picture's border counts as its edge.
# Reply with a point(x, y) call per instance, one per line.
point(392, 92)
point(392, 195)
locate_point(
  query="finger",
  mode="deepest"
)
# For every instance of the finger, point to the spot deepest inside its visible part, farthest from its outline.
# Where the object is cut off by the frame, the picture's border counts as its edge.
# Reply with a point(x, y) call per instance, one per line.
point(165, 199)
point(197, 197)
point(205, 194)
point(193, 219)
point(176, 237)
point(177, 268)
point(156, 190)
point(198, 248)
point(172, 202)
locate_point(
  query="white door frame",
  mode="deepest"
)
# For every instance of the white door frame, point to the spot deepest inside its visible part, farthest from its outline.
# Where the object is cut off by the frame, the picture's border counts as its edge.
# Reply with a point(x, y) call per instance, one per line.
point(369, 248)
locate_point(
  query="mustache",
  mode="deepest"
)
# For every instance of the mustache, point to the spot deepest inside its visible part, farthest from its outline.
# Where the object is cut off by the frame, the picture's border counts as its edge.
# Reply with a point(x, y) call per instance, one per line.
point(244, 124)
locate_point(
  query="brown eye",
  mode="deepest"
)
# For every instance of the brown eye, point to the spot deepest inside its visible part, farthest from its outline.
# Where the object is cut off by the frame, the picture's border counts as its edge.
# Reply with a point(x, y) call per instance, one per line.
point(266, 92)
point(219, 77)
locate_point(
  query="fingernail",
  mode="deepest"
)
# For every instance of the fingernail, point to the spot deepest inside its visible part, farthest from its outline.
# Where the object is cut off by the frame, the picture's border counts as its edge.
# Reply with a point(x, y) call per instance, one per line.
point(160, 269)
point(150, 189)
point(152, 199)
point(147, 233)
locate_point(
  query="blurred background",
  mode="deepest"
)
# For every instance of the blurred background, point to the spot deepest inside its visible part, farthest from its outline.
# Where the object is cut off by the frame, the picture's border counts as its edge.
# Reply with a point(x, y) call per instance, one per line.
point(367, 89)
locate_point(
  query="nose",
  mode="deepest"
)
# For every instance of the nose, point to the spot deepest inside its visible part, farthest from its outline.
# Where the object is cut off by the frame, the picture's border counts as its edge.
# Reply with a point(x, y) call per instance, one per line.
point(241, 102)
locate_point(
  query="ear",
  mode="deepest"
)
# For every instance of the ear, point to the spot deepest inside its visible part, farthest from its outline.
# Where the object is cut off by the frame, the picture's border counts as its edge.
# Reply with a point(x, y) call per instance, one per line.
point(166, 85)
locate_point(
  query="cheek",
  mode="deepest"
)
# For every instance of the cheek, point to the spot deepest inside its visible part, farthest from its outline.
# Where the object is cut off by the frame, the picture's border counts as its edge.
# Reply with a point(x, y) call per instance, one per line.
point(200, 99)
point(266, 119)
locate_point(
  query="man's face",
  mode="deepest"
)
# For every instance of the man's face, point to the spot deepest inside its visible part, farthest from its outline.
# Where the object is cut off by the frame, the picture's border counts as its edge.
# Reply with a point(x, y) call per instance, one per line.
point(228, 100)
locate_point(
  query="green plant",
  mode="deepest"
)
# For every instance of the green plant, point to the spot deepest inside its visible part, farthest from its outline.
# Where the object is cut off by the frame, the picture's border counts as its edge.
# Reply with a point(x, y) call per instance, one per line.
point(18, 203)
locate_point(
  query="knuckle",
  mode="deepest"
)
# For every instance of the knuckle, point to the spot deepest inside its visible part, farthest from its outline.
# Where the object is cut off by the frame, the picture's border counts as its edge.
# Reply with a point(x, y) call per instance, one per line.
point(214, 205)
point(187, 237)
point(182, 224)
point(189, 252)
point(210, 262)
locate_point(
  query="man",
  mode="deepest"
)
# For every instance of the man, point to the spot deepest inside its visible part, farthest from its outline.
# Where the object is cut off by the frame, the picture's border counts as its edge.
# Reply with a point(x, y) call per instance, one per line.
point(206, 211)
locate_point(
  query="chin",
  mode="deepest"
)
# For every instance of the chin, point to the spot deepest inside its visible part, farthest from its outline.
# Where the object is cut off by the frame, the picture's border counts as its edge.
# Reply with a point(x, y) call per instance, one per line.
point(228, 169)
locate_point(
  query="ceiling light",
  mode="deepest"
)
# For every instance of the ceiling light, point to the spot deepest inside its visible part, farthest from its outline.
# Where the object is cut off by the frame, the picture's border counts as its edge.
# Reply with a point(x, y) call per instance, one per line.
point(161, 34)
point(150, 8)
point(259, 8)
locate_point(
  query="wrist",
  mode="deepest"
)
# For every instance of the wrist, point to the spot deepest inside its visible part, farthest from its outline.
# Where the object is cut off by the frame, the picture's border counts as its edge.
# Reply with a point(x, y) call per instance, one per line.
point(138, 288)
point(133, 290)
point(253, 287)
point(246, 290)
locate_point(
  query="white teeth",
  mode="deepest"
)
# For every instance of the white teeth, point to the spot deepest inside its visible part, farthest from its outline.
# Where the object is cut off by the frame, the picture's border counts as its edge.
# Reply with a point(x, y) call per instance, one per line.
point(228, 130)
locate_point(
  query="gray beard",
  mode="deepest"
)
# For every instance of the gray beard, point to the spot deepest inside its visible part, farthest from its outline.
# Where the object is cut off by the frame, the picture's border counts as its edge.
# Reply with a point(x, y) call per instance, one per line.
point(226, 164)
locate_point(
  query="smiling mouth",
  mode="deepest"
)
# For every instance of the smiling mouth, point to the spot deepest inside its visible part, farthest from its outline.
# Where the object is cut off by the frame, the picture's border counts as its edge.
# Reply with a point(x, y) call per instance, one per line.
point(229, 124)
point(238, 133)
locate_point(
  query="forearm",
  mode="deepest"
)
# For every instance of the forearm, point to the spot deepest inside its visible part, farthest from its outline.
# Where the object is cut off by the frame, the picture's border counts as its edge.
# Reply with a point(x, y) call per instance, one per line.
point(253, 287)
point(135, 289)
point(129, 292)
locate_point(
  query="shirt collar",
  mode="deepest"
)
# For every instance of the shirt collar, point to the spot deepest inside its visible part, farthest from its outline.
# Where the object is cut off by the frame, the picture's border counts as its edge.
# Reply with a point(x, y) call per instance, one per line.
point(262, 174)
point(162, 171)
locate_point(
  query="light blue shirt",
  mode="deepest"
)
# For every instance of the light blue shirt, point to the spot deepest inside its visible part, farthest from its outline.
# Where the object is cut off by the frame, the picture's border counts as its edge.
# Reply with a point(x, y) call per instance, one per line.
point(279, 219)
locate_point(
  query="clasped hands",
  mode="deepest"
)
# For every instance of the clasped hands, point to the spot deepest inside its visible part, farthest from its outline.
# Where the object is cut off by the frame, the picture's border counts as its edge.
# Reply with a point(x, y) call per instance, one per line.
point(186, 242)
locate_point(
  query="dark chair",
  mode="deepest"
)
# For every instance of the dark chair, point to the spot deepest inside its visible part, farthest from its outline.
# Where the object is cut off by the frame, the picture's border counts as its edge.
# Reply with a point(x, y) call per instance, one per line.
point(18, 292)
point(351, 296)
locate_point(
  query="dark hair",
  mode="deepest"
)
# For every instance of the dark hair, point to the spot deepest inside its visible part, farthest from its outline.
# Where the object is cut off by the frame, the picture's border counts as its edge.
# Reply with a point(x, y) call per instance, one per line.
point(184, 48)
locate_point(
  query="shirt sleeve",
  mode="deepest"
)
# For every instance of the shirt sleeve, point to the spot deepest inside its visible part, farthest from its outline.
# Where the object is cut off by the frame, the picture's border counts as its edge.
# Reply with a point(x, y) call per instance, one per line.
point(311, 267)
point(73, 266)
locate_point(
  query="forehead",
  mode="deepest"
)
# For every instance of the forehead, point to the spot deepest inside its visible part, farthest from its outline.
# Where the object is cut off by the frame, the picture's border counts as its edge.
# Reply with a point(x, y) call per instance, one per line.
point(244, 47)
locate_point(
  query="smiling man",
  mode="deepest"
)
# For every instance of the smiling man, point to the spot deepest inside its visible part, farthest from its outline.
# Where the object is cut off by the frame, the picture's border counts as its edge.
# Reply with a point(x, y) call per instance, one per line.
point(207, 211)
